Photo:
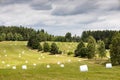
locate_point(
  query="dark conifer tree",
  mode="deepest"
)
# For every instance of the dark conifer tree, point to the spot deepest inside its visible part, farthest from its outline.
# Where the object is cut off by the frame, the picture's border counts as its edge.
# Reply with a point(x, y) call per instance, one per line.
point(54, 49)
point(46, 47)
point(33, 42)
point(81, 50)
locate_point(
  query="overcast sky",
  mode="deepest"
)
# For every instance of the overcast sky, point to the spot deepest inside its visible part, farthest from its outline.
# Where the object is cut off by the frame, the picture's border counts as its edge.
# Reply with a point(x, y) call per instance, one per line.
point(60, 16)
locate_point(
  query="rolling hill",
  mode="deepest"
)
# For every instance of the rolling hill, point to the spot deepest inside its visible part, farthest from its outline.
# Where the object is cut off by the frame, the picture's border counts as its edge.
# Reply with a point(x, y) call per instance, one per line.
point(16, 54)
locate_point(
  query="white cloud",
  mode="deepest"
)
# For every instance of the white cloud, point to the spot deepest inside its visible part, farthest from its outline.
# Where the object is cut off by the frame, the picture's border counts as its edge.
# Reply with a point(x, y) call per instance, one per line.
point(22, 14)
point(61, 16)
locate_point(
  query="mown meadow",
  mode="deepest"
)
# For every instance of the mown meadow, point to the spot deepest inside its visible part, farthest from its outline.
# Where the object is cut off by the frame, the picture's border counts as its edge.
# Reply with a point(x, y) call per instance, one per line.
point(15, 53)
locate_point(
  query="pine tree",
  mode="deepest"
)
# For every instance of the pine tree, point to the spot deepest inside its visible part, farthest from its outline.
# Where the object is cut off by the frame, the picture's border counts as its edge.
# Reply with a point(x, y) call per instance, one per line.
point(54, 49)
point(81, 50)
point(33, 42)
point(46, 47)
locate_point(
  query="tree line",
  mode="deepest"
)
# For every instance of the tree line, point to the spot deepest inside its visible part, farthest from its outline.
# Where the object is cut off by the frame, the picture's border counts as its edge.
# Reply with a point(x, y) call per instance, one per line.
point(20, 33)
point(105, 35)
point(15, 33)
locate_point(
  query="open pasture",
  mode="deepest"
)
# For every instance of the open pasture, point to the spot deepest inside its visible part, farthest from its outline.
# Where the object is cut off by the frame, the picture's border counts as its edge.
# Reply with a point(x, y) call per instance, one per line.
point(42, 66)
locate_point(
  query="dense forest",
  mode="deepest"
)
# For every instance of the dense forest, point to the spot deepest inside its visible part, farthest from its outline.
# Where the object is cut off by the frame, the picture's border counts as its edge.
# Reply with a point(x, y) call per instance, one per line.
point(105, 36)
point(20, 33)
point(15, 33)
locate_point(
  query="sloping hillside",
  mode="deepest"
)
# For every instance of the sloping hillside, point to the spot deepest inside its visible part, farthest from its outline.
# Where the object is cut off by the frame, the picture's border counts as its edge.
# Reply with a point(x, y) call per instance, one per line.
point(42, 66)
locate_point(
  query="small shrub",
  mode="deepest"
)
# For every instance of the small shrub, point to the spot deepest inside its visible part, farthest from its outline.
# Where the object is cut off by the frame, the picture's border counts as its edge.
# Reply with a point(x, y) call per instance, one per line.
point(69, 53)
point(59, 52)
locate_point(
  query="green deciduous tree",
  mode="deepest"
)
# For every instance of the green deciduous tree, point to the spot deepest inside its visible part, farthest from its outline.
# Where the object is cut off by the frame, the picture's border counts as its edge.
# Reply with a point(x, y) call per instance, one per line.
point(91, 47)
point(40, 48)
point(115, 49)
point(0, 38)
point(101, 49)
point(10, 36)
point(68, 37)
point(18, 37)
point(3, 37)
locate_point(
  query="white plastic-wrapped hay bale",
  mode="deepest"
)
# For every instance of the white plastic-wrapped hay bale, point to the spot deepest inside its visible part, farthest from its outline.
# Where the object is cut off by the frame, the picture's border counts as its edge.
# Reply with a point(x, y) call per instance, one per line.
point(69, 60)
point(108, 65)
point(14, 67)
point(62, 65)
point(3, 62)
point(8, 65)
point(48, 66)
point(58, 62)
point(34, 64)
point(83, 68)
point(26, 61)
point(24, 67)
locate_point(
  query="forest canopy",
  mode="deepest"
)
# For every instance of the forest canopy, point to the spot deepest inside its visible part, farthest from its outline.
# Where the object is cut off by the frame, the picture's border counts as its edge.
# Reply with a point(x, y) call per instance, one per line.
point(21, 33)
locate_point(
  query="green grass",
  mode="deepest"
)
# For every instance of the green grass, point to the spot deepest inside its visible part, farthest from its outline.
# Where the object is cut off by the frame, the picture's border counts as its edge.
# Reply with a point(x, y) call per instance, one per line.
point(55, 72)
point(65, 47)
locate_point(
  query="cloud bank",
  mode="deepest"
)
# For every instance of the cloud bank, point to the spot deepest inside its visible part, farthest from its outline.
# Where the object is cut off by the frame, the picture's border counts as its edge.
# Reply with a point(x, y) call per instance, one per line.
point(61, 16)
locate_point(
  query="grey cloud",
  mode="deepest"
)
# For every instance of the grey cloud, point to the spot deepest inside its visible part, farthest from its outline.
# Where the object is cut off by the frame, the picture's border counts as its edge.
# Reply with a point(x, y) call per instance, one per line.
point(108, 5)
point(34, 4)
point(78, 7)
point(68, 7)
point(66, 15)
point(41, 5)
point(9, 2)
point(89, 21)
point(85, 6)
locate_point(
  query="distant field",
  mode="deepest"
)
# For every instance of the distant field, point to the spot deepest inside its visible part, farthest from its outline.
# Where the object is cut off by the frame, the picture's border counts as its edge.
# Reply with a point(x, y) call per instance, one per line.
point(65, 47)
point(17, 54)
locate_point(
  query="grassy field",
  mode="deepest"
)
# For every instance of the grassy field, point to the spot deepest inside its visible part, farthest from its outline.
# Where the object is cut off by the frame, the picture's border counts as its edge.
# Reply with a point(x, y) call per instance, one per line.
point(17, 54)
point(65, 47)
